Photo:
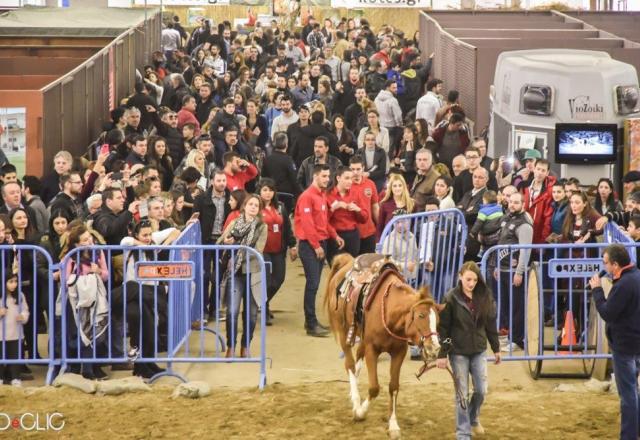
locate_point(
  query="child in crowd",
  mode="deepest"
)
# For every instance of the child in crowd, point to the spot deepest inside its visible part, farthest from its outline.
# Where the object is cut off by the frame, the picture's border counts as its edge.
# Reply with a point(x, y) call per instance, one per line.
point(486, 229)
point(14, 312)
point(633, 231)
point(401, 245)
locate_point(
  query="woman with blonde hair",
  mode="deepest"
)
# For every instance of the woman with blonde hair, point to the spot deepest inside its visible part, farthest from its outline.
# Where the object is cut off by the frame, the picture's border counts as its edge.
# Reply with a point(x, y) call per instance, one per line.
point(196, 159)
point(396, 197)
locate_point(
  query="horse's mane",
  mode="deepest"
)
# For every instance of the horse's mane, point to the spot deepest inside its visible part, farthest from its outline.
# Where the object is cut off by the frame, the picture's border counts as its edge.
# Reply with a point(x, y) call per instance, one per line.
point(423, 294)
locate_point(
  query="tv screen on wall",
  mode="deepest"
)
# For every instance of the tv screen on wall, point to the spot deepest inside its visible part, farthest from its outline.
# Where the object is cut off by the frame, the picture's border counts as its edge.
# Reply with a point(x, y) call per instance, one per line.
point(586, 143)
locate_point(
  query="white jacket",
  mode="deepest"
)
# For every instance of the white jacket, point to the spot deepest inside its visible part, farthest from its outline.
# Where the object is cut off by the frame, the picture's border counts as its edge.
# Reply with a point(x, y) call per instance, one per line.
point(10, 328)
point(402, 248)
point(388, 109)
point(427, 107)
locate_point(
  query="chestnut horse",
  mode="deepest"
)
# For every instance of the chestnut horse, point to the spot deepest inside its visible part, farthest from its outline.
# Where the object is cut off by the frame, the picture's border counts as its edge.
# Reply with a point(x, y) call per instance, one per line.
point(396, 316)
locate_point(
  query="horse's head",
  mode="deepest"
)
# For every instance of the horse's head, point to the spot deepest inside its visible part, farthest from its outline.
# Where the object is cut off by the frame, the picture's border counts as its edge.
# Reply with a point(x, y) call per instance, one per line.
point(422, 324)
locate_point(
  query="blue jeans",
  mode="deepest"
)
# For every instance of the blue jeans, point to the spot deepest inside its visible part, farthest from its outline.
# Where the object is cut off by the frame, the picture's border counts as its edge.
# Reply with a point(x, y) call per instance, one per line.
point(463, 366)
point(239, 290)
point(312, 270)
point(626, 368)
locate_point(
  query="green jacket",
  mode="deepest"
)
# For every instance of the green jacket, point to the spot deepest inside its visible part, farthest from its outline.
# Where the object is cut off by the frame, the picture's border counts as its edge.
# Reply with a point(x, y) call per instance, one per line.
point(468, 335)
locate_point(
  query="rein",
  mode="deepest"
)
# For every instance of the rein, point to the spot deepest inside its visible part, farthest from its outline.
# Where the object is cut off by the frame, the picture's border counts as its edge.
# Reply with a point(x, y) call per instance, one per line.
point(384, 319)
point(426, 367)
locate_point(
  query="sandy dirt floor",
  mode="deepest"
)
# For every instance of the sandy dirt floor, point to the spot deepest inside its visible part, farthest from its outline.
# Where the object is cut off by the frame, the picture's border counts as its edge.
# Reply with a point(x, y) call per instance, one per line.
point(307, 397)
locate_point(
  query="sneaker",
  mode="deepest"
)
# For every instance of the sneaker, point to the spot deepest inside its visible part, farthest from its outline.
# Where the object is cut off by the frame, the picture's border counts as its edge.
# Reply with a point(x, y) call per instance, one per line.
point(477, 429)
point(509, 347)
point(16, 383)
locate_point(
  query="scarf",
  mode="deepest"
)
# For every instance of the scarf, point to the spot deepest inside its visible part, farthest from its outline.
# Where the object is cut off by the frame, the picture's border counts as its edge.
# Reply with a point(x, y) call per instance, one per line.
point(244, 232)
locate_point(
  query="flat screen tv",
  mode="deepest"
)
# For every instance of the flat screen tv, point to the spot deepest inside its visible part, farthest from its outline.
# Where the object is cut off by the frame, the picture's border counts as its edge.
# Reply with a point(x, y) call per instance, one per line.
point(586, 143)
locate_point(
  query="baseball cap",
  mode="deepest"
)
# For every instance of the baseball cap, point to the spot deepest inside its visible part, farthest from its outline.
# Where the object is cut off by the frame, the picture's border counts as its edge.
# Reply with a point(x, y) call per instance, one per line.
point(631, 176)
point(532, 153)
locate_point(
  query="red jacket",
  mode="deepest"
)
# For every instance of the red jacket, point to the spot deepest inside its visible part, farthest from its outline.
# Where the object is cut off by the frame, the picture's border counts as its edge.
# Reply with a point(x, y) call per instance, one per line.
point(342, 219)
point(311, 217)
point(366, 190)
point(240, 179)
point(186, 117)
point(540, 210)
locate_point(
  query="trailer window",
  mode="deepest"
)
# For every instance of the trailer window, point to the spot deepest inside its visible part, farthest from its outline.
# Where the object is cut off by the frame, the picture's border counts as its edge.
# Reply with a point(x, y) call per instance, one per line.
point(627, 100)
point(536, 100)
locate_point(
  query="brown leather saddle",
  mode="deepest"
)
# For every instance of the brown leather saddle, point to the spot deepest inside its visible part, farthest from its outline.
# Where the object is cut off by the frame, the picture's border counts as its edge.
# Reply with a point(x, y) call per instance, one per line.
point(360, 285)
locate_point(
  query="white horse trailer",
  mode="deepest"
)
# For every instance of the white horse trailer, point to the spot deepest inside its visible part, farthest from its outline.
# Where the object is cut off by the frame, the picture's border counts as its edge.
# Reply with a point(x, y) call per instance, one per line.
point(533, 90)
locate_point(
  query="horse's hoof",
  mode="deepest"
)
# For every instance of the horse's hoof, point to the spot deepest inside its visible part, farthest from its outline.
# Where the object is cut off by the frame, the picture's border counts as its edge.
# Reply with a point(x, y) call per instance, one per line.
point(360, 413)
point(394, 434)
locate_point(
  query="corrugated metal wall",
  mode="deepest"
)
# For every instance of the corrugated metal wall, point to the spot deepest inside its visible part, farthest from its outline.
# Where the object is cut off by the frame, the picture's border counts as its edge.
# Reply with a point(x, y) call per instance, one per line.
point(76, 106)
point(454, 62)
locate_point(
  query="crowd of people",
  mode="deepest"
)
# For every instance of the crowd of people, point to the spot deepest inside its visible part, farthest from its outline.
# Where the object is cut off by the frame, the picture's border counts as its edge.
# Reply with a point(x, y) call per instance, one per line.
point(305, 143)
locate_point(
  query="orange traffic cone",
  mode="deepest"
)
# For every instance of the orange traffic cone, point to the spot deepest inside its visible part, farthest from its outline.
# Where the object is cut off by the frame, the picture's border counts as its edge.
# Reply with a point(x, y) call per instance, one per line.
point(569, 333)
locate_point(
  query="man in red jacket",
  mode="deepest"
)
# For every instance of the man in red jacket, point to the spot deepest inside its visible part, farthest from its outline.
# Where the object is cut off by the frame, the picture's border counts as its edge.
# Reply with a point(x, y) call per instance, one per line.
point(366, 190)
point(347, 210)
point(238, 171)
point(187, 114)
point(313, 231)
point(537, 200)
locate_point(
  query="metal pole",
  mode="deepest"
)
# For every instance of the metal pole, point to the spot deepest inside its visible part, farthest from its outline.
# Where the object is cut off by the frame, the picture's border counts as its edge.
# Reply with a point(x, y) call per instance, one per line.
point(146, 35)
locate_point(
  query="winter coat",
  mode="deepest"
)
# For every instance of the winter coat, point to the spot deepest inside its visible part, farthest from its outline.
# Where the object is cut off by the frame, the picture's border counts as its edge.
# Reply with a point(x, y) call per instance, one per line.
point(621, 311)
point(540, 210)
point(389, 109)
point(468, 334)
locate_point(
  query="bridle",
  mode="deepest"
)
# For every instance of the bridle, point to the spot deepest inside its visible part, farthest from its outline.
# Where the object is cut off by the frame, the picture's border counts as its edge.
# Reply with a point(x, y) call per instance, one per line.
point(423, 337)
point(428, 363)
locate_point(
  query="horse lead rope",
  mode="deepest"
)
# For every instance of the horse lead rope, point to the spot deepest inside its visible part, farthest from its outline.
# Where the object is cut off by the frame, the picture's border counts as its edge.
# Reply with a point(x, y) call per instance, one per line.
point(461, 398)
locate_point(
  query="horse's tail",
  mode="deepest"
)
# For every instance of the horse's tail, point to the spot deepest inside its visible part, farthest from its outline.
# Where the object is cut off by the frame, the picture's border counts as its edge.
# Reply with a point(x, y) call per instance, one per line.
point(339, 261)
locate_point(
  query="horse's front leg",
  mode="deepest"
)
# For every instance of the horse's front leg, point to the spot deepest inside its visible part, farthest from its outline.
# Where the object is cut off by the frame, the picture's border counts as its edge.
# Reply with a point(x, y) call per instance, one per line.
point(394, 385)
point(371, 357)
point(352, 371)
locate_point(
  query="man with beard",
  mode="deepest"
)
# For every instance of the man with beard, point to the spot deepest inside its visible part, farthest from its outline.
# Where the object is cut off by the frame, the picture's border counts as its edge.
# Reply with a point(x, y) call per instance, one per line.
point(167, 127)
point(354, 112)
point(313, 232)
point(285, 118)
point(320, 156)
point(205, 103)
point(68, 201)
point(213, 206)
point(305, 141)
point(346, 92)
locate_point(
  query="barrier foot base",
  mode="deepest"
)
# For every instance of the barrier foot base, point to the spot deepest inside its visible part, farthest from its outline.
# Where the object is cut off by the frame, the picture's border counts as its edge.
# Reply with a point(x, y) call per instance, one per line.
point(219, 338)
point(168, 374)
point(50, 371)
point(263, 381)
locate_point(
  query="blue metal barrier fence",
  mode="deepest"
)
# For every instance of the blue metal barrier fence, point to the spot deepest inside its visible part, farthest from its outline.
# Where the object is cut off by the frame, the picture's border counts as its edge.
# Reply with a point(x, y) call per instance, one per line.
point(154, 305)
point(544, 305)
point(613, 234)
point(140, 304)
point(428, 247)
point(26, 308)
